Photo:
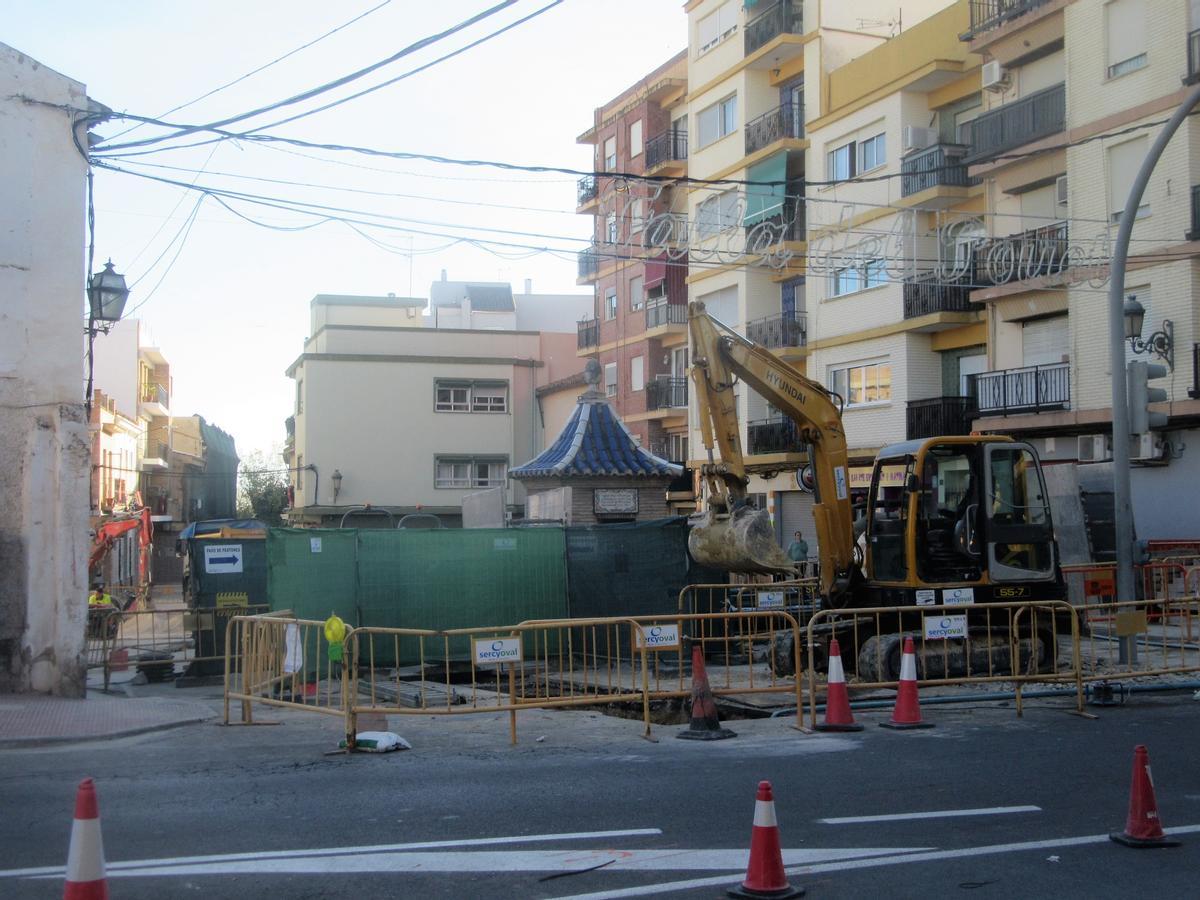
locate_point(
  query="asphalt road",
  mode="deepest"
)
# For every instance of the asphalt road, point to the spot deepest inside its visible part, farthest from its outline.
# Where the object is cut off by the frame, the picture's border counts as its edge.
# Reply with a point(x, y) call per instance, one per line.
point(463, 814)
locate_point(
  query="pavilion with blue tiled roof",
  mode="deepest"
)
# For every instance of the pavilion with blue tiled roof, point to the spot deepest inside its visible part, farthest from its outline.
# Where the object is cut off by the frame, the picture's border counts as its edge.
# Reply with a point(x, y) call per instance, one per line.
point(594, 471)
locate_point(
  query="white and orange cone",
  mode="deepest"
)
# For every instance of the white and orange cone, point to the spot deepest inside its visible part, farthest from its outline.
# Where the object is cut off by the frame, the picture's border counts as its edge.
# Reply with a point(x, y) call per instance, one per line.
point(907, 713)
point(85, 860)
point(764, 875)
point(837, 701)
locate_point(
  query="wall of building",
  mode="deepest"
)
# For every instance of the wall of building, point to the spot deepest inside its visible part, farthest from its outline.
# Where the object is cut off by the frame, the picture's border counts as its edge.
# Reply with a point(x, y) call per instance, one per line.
point(116, 366)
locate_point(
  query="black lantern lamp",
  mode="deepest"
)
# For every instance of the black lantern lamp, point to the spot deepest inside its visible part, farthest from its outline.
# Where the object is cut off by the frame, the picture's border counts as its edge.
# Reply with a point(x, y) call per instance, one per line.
point(1161, 343)
point(107, 294)
point(336, 478)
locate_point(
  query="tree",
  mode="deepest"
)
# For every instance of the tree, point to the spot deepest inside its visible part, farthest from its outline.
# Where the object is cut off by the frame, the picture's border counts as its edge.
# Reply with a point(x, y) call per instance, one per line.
point(262, 488)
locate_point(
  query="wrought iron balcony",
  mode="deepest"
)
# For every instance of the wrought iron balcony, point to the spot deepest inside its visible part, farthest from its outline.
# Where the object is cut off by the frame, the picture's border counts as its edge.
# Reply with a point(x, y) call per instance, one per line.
point(785, 121)
point(773, 436)
point(670, 146)
point(1023, 121)
point(665, 314)
point(931, 292)
point(790, 226)
point(939, 416)
point(784, 330)
point(1030, 254)
point(588, 331)
point(989, 14)
point(588, 189)
point(938, 166)
point(782, 17)
point(1032, 389)
point(589, 263)
point(667, 392)
point(1194, 232)
point(1193, 72)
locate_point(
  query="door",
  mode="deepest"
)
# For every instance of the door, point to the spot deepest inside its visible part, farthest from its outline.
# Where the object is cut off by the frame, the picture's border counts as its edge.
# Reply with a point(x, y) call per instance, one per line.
point(679, 362)
point(791, 98)
point(795, 513)
point(1019, 532)
point(968, 368)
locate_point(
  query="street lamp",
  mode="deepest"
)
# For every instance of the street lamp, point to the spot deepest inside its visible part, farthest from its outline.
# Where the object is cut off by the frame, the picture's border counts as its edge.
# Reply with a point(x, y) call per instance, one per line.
point(107, 294)
point(336, 478)
point(1161, 343)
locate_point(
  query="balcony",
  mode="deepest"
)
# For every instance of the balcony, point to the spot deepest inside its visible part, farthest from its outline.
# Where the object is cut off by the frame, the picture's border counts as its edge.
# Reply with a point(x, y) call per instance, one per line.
point(1030, 254)
point(667, 392)
point(1194, 390)
point(785, 121)
point(939, 416)
point(783, 17)
point(939, 166)
point(931, 292)
point(777, 332)
point(155, 457)
point(660, 314)
point(769, 233)
point(155, 399)
point(1193, 72)
point(772, 436)
point(589, 263)
point(589, 189)
point(1194, 232)
point(1032, 389)
point(1015, 124)
point(670, 146)
point(588, 333)
point(987, 15)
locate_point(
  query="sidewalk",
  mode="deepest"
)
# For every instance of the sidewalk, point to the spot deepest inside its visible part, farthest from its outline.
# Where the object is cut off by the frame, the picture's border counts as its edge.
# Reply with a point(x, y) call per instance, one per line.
point(32, 719)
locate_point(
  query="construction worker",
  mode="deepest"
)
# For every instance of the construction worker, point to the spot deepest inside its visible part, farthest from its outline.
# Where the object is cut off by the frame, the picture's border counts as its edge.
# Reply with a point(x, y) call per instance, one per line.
point(98, 598)
point(100, 605)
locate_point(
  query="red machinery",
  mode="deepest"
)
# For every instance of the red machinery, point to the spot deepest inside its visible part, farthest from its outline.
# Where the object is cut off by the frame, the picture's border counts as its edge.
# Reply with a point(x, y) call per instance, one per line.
point(108, 532)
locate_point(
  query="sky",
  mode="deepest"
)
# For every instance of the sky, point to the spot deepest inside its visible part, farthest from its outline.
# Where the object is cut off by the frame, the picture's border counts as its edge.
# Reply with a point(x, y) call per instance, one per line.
point(226, 300)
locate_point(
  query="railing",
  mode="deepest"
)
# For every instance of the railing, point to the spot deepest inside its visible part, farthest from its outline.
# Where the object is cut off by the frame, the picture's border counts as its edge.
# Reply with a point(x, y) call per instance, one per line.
point(1194, 390)
point(789, 226)
point(589, 263)
point(588, 189)
point(1030, 254)
point(784, 17)
point(665, 314)
point(931, 293)
point(784, 330)
point(155, 393)
point(773, 436)
point(588, 331)
point(989, 14)
point(1021, 122)
point(938, 166)
point(785, 121)
point(939, 416)
point(1030, 389)
point(1194, 232)
point(1193, 74)
point(667, 392)
point(670, 146)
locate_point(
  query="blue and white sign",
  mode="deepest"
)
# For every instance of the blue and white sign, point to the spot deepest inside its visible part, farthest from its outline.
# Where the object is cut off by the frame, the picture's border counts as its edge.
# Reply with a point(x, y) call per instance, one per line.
point(770, 600)
point(222, 558)
point(940, 627)
point(839, 478)
point(658, 637)
point(497, 651)
point(958, 596)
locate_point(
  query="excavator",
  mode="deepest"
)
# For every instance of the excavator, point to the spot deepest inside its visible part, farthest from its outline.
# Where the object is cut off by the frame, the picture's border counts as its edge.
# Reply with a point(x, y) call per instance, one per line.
point(968, 519)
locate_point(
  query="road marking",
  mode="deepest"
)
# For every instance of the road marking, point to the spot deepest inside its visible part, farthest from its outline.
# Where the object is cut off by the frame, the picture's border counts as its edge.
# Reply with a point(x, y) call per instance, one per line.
point(845, 865)
point(939, 814)
point(342, 851)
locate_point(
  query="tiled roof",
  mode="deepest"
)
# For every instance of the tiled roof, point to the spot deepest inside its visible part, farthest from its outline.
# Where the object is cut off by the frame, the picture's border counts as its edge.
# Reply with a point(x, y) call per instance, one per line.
point(596, 442)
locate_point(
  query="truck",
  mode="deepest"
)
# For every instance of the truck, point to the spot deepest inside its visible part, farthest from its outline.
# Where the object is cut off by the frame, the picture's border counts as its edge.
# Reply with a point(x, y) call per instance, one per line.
point(962, 516)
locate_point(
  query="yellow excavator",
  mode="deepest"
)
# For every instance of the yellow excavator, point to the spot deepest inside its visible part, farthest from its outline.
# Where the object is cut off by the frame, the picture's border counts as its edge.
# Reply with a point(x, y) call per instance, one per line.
point(961, 516)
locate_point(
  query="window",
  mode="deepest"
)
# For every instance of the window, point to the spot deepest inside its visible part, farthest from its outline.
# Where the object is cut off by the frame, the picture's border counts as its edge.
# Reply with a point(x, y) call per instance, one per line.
point(857, 276)
point(872, 152)
point(637, 373)
point(300, 472)
point(470, 396)
point(452, 397)
point(637, 215)
point(610, 303)
point(637, 298)
point(610, 228)
point(489, 398)
point(300, 396)
point(717, 26)
point(839, 162)
point(635, 139)
point(470, 472)
point(610, 154)
point(716, 121)
point(717, 213)
point(722, 305)
point(1125, 21)
point(861, 385)
point(610, 380)
point(875, 273)
point(1124, 160)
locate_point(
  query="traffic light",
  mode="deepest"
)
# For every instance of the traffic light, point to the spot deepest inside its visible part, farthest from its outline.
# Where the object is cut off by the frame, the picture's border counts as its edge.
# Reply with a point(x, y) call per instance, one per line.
point(1138, 374)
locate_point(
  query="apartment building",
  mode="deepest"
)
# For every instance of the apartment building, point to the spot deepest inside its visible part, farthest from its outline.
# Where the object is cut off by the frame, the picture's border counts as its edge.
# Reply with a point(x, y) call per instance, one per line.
point(115, 438)
point(637, 329)
point(407, 417)
point(1072, 94)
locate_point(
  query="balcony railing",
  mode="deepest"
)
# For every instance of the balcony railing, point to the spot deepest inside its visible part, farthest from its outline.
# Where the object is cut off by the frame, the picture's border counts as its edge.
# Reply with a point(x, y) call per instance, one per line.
point(989, 14)
point(938, 166)
point(1194, 232)
point(589, 262)
point(155, 393)
point(1193, 73)
point(785, 121)
point(1030, 254)
point(670, 146)
point(939, 416)
point(773, 436)
point(1023, 121)
point(783, 17)
point(588, 331)
point(784, 330)
point(932, 293)
point(667, 392)
point(588, 189)
point(1032, 389)
point(1194, 390)
point(665, 314)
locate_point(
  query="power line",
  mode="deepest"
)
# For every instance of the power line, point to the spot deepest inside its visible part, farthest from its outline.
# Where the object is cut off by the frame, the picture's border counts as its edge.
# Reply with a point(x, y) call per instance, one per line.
point(181, 236)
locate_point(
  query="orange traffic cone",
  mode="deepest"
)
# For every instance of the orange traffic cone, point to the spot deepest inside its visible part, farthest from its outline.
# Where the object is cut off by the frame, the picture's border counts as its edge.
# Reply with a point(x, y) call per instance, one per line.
point(1143, 827)
point(907, 713)
point(764, 874)
point(837, 701)
point(705, 725)
point(85, 859)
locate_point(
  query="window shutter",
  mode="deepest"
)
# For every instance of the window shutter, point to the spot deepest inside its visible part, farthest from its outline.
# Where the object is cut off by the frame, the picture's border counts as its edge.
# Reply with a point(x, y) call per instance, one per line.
point(1124, 160)
point(1126, 22)
point(1045, 341)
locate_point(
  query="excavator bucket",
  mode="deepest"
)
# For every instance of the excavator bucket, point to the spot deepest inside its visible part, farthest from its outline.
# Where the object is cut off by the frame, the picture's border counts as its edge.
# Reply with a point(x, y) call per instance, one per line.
point(741, 541)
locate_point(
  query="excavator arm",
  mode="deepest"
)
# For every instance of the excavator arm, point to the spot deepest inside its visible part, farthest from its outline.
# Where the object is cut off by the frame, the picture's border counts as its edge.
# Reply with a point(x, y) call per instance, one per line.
point(733, 537)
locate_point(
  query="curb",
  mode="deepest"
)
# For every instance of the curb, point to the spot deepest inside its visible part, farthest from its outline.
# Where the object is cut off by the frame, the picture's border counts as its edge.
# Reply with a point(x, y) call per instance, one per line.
point(20, 742)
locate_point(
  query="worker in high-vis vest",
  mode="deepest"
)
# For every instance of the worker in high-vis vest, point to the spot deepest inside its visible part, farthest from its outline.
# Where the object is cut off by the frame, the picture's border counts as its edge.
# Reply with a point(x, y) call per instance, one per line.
point(335, 637)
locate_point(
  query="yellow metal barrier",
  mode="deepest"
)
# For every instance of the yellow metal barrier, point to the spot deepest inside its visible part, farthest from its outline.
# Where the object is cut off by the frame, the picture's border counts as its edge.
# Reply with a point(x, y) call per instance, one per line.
point(1141, 638)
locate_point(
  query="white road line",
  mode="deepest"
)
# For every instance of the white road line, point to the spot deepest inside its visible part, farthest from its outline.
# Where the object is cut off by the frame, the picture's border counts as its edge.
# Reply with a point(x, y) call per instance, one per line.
point(938, 814)
point(671, 887)
point(341, 851)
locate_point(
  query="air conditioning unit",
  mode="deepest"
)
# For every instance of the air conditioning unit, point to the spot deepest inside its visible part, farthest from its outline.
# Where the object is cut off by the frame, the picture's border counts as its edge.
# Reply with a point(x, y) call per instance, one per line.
point(1060, 190)
point(1094, 448)
point(1146, 447)
point(994, 76)
point(917, 138)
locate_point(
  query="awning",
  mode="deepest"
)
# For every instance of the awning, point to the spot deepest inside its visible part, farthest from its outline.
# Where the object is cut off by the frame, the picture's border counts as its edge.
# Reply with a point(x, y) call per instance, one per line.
point(766, 200)
point(656, 271)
